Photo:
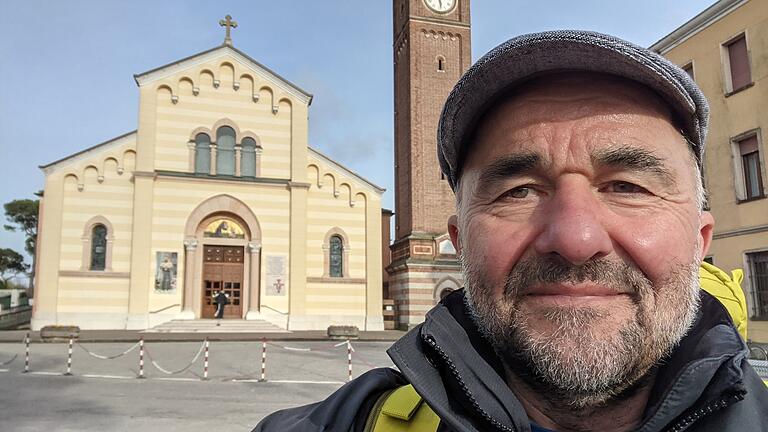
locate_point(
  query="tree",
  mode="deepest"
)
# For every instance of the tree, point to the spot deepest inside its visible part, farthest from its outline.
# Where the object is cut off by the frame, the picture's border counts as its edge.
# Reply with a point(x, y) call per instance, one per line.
point(22, 215)
point(11, 264)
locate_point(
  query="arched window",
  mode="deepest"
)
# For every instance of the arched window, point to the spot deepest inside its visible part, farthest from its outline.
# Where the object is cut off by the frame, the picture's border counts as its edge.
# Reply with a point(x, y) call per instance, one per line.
point(336, 261)
point(202, 153)
point(248, 158)
point(98, 247)
point(225, 151)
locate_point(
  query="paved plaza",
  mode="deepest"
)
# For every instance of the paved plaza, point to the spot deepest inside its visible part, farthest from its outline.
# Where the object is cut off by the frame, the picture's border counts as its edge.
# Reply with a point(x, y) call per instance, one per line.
point(107, 395)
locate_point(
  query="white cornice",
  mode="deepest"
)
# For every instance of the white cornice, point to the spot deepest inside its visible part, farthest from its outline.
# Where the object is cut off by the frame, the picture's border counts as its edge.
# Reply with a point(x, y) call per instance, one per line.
point(90, 152)
point(373, 187)
point(698, 23)
point(218, 52)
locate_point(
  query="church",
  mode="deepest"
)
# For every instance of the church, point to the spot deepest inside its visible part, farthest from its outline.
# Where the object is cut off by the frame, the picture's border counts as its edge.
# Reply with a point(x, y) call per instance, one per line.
point(217, 190)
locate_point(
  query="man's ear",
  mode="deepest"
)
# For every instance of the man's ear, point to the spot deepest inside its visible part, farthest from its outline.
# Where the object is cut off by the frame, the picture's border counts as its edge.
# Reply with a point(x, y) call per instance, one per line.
point(453, 231)
point(706, 231)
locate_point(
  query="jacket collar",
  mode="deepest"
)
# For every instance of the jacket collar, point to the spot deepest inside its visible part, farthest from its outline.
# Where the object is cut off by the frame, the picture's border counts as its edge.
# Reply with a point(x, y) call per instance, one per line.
point(457, 372)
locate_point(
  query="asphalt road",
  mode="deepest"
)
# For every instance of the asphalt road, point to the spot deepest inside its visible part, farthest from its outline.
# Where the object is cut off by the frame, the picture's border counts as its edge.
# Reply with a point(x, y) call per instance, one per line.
point(105, 395)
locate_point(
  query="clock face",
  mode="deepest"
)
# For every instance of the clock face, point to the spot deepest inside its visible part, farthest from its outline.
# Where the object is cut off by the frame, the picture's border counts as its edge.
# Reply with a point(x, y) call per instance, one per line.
point(440, 6)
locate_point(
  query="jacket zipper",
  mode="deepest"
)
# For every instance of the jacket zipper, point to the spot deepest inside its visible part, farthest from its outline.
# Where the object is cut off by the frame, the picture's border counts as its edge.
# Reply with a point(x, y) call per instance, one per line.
point(711, 407)
point(455, 372)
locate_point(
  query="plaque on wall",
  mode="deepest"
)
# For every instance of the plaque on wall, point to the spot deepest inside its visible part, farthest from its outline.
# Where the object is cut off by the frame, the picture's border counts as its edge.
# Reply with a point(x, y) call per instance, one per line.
point(277, 275)
point(224, 228)
point(165, 273)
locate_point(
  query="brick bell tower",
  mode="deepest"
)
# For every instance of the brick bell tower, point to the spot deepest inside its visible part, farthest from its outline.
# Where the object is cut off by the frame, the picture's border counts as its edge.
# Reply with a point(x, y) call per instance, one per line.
point(431, 52)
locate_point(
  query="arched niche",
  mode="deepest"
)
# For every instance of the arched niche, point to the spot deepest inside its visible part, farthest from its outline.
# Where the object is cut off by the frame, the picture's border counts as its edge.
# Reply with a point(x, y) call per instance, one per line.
point(210, 211)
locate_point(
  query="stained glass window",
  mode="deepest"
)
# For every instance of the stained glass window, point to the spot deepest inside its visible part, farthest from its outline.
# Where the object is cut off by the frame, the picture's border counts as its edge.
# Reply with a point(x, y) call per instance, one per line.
point(202, 153)
point(336, 257)
point(98, 247)
point(248, 158)
point(225, 151)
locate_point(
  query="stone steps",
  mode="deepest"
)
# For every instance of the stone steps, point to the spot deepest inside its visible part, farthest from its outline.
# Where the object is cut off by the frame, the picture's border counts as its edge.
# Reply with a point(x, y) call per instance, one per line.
point(216, 326)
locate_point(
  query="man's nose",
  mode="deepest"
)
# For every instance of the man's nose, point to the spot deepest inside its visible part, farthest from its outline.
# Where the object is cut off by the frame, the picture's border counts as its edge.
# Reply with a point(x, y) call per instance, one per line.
point(573, 226)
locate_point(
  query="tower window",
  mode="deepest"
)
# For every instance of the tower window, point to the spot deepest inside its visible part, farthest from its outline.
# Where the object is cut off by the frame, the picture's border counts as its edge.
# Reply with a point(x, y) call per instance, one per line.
point(441, 64)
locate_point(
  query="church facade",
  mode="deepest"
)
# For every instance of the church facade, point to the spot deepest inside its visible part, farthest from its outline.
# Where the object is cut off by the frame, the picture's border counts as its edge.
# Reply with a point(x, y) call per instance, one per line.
point(216, 190)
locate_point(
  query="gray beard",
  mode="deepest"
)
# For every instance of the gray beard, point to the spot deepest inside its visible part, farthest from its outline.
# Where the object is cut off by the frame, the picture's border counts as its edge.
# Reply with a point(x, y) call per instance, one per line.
point(574, 365)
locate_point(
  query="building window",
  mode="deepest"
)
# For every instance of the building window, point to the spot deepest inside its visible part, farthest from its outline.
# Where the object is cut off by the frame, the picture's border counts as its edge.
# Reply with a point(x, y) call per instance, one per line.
point(441, 64)
point(758, 275)
point(688, 68)
point(336, 260)
point(225, 151)
point(736, 59)
point(98, 247)
point(248, 158)
point(750, 167)
point(202, 153)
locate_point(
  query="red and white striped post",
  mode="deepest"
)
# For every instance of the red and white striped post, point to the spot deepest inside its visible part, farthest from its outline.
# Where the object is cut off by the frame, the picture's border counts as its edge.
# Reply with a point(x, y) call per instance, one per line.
point(349, 360)
point(26, 354)
point(141, 357)
point(69, 358)
point(263, 360)
point(205, 364)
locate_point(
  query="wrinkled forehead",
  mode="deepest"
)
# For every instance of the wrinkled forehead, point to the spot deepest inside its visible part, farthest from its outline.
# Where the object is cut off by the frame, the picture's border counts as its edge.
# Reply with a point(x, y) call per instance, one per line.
point(572, 95)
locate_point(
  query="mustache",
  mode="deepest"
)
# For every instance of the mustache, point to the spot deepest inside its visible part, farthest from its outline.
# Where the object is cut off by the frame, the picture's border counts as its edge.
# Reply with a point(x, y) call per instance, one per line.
point(530, 272)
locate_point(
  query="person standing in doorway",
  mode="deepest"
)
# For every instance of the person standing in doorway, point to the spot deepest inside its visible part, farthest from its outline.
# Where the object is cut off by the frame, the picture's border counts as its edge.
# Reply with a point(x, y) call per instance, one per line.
point(221, 300)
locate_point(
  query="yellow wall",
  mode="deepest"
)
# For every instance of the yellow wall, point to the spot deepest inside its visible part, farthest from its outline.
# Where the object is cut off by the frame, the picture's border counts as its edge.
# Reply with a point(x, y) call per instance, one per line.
point(731, 116)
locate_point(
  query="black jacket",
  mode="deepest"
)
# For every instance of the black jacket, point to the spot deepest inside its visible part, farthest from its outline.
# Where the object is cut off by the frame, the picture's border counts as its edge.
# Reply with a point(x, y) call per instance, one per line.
point(705, 385)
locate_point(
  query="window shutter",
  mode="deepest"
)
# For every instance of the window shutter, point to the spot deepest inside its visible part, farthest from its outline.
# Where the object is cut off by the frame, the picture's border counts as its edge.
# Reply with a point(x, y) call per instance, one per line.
point(748, 145)
point(739, 60)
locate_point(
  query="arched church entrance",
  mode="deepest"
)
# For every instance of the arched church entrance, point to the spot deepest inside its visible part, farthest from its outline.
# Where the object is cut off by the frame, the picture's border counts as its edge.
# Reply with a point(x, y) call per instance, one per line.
point(223, 254)
point(223, 265)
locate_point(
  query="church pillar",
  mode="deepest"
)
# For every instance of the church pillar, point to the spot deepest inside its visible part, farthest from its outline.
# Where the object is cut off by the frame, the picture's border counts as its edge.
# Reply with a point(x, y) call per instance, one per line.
point(192, 151)
point(254, 281)
point(213, 159)
point(238, 157)
point(187, 307)
point(374, 310)
point(297, 273)
point(142, 259)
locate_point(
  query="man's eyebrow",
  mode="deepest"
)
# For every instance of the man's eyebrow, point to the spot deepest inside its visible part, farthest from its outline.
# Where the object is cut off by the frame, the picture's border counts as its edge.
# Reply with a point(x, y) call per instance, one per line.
point(509, 166)
point(634, 159)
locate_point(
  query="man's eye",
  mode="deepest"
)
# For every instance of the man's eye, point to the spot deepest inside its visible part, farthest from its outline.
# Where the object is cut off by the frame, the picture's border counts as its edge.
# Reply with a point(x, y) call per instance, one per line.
point(625, 187)
point(518, 192)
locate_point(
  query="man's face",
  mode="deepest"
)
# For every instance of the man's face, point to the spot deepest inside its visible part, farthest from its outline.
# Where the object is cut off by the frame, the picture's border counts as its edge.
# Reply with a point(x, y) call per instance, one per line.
point(580, 234)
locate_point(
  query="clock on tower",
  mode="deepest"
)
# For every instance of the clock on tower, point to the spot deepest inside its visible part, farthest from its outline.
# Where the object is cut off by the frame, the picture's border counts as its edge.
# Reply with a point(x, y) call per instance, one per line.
point(431, 52)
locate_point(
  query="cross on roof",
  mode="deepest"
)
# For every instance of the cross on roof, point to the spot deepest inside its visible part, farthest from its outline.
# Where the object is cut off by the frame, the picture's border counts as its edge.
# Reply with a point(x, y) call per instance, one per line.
point(229, 24)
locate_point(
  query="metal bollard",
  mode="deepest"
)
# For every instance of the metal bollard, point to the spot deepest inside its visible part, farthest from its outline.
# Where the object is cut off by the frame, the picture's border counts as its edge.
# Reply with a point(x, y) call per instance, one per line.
point(349, 359)
point(205, 365)
point(263, 360)
point(26, 354)
point(141, 357)
point(69, 359)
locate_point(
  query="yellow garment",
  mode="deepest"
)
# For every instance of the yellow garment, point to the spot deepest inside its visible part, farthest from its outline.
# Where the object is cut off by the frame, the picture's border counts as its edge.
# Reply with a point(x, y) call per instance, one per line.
point(402, 410)
point(727, 289)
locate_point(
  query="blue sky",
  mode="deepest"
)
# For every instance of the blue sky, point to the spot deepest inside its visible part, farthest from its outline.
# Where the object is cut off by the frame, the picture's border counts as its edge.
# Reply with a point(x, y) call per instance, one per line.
point(66, 67)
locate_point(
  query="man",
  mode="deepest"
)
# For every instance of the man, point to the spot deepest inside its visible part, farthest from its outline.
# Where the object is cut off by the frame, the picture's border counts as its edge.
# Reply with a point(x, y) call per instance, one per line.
point(221, 299)
point(576, 162)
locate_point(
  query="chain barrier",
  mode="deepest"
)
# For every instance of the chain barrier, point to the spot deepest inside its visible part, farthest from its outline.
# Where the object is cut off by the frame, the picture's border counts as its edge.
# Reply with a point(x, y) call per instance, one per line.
point(102, 357)
point(184, 369)
point(204, 349)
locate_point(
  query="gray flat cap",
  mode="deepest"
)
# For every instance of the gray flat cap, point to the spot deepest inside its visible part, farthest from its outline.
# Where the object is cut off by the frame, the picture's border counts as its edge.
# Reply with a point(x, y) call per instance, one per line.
point(524, 57)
